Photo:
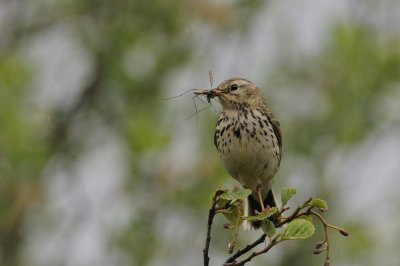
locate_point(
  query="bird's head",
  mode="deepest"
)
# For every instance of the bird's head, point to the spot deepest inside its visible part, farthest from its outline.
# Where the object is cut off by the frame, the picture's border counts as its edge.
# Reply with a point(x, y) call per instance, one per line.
point(236, 93)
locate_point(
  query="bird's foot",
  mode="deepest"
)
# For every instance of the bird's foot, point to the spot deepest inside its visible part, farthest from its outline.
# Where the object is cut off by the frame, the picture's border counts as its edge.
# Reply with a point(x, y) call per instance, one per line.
point(258, 190)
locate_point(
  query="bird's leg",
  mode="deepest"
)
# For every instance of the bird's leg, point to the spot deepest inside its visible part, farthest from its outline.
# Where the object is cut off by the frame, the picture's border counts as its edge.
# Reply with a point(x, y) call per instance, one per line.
point(258, 190)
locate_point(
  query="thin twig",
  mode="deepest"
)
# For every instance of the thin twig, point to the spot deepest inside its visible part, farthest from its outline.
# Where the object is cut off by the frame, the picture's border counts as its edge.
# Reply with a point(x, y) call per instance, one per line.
point(326, 241)
point(303, 210)
point(261, 239)
point(246, 249)
point(232, 244)
point(211, 214)
point(274, 241)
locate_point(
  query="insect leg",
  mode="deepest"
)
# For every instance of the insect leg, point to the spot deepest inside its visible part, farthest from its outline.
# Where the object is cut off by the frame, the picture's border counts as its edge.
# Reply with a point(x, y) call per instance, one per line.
point(173, 97)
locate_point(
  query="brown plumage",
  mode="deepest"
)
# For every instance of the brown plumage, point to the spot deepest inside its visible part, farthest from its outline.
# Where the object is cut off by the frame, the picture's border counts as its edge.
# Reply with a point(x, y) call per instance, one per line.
point(249, 140)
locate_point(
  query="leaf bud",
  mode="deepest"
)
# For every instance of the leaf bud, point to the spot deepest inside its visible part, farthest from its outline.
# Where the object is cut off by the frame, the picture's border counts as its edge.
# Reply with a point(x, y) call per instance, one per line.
point(343, 232)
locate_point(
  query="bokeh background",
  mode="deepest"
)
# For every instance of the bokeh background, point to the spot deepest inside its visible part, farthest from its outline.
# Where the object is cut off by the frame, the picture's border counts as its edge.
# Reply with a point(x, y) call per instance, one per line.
point(96, 168)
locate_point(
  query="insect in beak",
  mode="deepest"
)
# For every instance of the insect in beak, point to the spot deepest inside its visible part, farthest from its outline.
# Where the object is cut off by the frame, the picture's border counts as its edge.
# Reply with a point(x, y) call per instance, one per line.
point(209, 93)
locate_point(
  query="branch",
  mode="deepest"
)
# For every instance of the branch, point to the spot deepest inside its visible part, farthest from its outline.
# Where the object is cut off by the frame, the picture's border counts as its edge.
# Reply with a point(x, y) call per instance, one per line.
point(232, 244)
point(324, 245)
point(299, 229)
point(64, 119)
point(246, 249)
point(261, 239)
point(211, 214)
point(274, 241)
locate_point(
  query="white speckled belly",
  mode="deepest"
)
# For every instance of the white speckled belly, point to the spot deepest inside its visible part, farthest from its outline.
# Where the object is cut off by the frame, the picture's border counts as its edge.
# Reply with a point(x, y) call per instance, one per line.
point(248, 148)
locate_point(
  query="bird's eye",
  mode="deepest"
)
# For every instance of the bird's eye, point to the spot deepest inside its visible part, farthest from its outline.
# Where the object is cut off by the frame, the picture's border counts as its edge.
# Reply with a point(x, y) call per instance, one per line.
point(234, 87)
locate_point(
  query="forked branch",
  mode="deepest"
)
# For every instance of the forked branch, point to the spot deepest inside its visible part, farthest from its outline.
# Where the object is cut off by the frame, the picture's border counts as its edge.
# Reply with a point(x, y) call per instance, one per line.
point(298, 225)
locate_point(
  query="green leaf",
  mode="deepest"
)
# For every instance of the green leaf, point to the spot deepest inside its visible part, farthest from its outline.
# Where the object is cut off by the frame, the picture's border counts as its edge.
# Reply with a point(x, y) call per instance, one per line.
point(287, 194)
point(262, 215)
point(232, 214)
point(319, 203)
point(298, 229)
point(239, 194)
point(306, 217)
point(217, 193)
point(268, 228)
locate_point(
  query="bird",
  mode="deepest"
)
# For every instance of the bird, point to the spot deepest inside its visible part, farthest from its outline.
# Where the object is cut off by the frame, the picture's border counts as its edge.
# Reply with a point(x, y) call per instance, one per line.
point(248, 139)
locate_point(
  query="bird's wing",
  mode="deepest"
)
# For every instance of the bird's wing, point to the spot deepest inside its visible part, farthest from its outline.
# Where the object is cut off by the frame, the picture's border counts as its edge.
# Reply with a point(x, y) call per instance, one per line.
point(277, 130)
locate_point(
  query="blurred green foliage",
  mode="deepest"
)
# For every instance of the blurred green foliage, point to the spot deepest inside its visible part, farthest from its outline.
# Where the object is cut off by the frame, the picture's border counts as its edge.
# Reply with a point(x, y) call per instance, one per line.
point(119, 90)
point(22, 155)
point(351, 72)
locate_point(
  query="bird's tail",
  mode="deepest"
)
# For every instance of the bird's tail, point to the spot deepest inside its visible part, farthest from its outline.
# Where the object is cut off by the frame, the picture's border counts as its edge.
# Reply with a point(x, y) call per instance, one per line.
point(251, 206)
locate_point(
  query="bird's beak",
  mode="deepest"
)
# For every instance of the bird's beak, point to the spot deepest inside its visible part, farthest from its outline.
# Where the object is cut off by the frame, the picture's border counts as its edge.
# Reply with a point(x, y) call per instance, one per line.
point(217, 92)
